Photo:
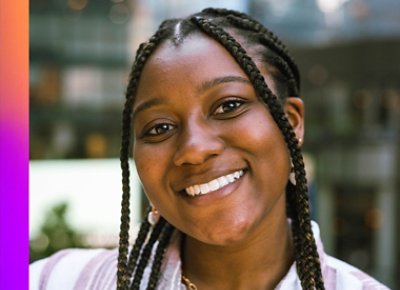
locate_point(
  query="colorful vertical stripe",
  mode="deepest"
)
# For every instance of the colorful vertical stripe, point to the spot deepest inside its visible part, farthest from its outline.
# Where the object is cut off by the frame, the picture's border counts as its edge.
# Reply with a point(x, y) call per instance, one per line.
point(14, 144)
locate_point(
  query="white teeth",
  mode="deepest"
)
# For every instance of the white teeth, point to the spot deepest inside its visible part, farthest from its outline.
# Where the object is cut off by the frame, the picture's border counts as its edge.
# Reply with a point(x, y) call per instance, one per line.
point(213, 185)
point(204, 188)
point(231, 178)
point(223, 181)
point(190, 190)
point(196, 189)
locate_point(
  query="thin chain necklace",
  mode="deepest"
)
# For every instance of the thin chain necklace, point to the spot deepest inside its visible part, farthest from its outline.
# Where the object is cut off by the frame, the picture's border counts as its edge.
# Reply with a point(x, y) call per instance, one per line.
point(189, 284)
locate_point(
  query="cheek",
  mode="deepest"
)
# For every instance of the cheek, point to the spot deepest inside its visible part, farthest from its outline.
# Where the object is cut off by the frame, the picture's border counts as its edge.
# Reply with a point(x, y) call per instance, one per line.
point(259, 133)
point(143, 163)
point(148, 166)
point(261, 138)
point(152, 164)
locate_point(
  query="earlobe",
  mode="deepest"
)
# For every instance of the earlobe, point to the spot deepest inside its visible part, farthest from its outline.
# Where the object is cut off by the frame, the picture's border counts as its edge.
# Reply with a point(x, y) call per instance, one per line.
point(294, 109)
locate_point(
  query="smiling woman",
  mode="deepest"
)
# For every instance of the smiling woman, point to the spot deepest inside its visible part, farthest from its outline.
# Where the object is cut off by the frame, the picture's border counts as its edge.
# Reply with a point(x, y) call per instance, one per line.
point(215, 154)
point(215, 123)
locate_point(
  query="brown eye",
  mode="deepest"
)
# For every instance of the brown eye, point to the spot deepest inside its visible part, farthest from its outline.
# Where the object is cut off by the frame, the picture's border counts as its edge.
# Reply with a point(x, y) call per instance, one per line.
point(228, 106)
point(159, 129)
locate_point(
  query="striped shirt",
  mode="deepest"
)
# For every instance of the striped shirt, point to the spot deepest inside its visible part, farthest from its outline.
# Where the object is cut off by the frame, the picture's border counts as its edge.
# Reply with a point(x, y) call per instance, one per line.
point(94, 269)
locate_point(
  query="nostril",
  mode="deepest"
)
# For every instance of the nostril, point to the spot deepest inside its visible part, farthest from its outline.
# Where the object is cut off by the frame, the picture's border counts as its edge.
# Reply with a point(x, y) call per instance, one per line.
point(197, 153)
point(197, 143)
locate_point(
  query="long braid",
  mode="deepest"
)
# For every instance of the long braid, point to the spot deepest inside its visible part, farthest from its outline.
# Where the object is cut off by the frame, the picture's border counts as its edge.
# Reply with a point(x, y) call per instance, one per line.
point(283, 67)
point(307, 245)
point(158, 257)
point(246, 22)
point(137, 247)
point(270, 40)
point(146, 253)
point(282, 60)
point(122, 277)
point(144, 51)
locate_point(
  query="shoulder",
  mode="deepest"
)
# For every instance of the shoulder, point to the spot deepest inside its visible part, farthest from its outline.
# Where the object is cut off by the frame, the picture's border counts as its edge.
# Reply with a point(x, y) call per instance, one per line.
point(75, 269)
point(340, 275)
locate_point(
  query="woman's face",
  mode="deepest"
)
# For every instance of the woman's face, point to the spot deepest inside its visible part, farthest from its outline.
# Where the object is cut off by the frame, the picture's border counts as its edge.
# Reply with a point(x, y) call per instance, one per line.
point(208, 153)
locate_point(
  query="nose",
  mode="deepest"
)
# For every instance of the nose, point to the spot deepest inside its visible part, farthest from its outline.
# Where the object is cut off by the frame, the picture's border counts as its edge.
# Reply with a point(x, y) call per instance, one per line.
point(198, 143)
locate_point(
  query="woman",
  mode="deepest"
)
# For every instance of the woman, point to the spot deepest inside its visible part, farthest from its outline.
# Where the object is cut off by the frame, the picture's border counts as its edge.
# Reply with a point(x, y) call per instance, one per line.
point(216, 123)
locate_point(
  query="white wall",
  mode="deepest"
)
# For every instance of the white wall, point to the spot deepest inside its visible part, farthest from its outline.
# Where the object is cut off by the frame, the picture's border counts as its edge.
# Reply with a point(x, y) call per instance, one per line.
point(92, 188)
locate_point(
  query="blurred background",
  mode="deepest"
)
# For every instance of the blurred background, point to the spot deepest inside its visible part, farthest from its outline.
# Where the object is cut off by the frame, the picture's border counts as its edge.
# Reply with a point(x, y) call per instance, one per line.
point(348, 52)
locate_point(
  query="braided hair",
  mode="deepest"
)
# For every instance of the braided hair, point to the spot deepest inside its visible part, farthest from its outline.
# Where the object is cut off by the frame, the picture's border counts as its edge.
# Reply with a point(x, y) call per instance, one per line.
point(221, 25)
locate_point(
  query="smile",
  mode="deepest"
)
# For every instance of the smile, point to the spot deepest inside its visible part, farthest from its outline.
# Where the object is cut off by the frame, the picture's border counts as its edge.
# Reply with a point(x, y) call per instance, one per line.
point(213, 185)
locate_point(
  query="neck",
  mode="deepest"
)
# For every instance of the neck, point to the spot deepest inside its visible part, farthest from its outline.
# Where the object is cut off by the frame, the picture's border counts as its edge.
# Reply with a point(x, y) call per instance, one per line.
point(260, 262)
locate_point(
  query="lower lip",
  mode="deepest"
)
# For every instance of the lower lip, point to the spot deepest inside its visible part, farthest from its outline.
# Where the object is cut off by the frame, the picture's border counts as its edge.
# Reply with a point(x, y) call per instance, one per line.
point(213, 196)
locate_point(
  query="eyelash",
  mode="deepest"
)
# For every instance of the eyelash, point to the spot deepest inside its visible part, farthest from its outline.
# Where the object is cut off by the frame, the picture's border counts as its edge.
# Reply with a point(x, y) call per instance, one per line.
point(162, 126)
point(154, 131)
point(237, 103)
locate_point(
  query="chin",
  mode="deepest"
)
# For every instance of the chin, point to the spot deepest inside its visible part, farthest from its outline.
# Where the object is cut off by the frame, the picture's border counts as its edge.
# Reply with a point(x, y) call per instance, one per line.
point(233, 233)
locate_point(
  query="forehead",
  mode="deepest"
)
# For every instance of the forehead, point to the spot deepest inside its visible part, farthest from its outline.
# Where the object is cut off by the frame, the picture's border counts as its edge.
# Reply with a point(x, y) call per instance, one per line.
point(196, 55)
point(197, 59)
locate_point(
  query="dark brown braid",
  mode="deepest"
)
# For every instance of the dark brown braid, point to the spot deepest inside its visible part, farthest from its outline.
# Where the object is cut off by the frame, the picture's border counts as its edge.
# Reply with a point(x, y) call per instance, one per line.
point(137, 247)
point(158, 257)
point(211, 22)
point(145, 49)
point(145, 254)
point(268, 38)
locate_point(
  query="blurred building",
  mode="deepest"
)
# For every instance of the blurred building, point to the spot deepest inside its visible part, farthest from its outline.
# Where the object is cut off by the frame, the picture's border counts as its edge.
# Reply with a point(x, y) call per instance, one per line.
point(349, 55)
point(78, 72)
point(352, 129)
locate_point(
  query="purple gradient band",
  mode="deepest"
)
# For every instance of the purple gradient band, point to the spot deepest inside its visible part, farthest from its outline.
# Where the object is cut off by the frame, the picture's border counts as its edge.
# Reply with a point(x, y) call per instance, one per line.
point(14, 145)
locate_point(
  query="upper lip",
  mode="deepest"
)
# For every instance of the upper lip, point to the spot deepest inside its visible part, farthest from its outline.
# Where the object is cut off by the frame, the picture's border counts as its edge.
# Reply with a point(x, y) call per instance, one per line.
point(200, 178)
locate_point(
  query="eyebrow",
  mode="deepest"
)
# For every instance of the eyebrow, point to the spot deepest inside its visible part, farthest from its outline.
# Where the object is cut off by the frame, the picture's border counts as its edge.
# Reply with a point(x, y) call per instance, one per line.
point(220, 80)
point(203, 87)
point(148, 104)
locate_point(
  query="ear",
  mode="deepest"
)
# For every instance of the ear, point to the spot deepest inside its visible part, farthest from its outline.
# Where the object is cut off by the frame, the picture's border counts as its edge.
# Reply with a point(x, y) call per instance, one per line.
point(294, 109)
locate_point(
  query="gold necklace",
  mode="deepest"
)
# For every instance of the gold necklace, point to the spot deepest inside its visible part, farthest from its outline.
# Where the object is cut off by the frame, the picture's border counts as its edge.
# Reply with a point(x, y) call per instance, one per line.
point(189, 285)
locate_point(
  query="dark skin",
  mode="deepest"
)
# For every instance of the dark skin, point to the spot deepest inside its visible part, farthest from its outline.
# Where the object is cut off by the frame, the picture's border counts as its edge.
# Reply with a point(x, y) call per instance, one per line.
point(197, 119)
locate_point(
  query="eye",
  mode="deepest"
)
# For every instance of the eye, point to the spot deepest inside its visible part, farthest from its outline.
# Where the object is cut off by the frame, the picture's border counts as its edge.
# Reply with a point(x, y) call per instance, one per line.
point(228, 106)
point(159, 129)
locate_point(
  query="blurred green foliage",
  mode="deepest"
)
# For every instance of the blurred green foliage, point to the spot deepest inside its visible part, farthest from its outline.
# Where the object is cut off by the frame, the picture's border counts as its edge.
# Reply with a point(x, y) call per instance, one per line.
point(55, 234)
